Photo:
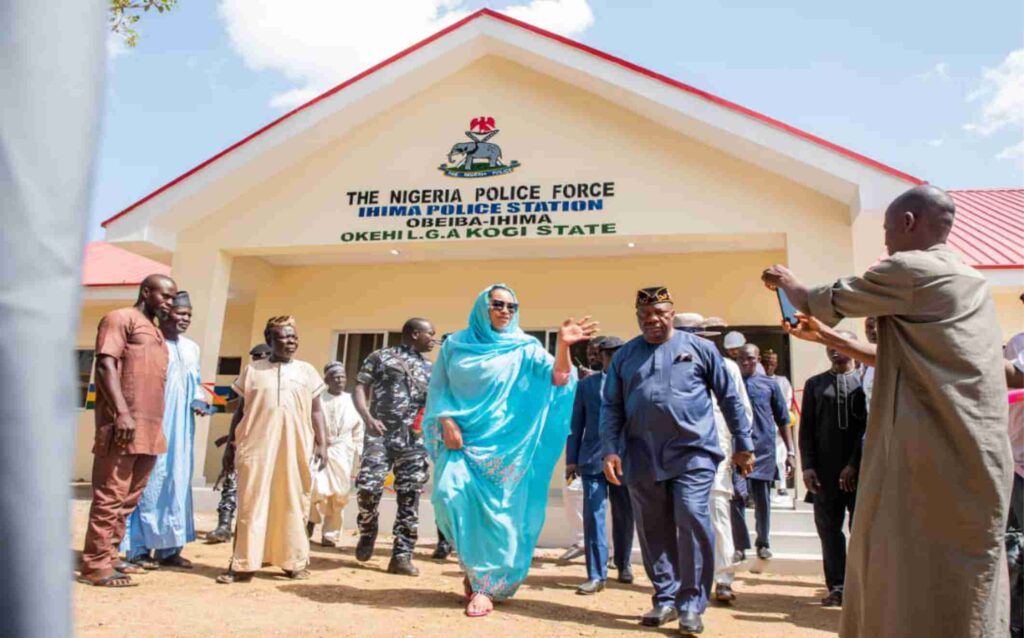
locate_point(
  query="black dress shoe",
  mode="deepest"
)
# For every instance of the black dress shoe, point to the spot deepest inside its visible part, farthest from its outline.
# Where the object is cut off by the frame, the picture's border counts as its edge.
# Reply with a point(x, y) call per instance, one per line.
point(442, 551)
point(690, 623)
point(402, 565)
point(364, 548)
point(724, 593)
point(590, 587)
point(626, 575)
point(834, 598)
point(658, 616)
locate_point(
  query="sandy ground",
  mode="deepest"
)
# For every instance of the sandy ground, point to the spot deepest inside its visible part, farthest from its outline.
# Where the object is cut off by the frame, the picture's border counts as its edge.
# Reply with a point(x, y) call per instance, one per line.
point(347, 598)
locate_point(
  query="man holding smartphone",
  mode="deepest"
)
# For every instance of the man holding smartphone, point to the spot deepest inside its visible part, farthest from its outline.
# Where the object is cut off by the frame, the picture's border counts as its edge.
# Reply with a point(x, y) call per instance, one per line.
point(659, 437)
point(933, 487)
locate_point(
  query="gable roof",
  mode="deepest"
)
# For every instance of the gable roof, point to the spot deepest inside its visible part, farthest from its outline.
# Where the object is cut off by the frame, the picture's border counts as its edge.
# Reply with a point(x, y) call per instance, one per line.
point(989, 227)
point(622, 64)
point(104, 264)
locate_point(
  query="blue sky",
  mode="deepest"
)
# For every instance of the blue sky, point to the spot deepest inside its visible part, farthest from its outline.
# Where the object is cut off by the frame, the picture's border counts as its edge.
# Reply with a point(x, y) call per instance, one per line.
point(902, 82)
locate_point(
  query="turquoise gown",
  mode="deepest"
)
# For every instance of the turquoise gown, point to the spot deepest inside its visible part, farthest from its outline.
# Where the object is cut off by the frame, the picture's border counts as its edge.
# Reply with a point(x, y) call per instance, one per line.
point(490, 497)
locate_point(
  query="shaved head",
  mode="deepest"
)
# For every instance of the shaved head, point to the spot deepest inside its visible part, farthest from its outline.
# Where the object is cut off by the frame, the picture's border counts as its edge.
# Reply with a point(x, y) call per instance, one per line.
point(155, 281)
point(919, 219)
point(156, 295)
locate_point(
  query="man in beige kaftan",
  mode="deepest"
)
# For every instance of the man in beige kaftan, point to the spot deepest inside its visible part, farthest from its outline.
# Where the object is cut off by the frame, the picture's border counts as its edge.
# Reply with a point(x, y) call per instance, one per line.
point(926, 553)
point(332, 486)
point(275, 440)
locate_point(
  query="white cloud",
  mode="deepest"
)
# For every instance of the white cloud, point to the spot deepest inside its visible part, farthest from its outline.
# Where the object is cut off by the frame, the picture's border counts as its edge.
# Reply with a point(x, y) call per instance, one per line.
point(936, 142)
point(1001, 98)
point(318, 44)
point(1015, 152)
point(938, 72)
point(561, 16)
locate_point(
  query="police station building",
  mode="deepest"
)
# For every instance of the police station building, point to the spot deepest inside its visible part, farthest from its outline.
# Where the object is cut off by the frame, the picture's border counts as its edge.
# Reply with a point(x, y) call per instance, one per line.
point(494, 151)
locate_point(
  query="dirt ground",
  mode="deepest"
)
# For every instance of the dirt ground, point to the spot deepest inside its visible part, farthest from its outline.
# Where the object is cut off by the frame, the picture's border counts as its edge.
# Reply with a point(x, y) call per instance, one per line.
point(347, 598)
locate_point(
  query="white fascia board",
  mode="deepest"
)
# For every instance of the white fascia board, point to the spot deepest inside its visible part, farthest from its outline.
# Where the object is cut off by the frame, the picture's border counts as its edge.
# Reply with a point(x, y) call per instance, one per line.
point(99, 294)
point(1005, 279)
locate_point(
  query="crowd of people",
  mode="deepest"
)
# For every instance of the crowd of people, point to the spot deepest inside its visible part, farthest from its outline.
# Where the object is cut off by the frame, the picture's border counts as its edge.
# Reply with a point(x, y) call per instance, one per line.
point(909, 425)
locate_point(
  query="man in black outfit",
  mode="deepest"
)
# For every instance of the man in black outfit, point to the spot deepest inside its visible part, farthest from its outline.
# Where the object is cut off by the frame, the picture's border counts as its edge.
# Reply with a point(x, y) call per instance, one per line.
point(832, 421)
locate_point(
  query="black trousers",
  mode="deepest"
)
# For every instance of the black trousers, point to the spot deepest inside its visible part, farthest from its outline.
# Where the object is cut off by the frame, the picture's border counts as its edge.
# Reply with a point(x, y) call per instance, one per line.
point(737, 516)
point(829, 512)
point(761, 492)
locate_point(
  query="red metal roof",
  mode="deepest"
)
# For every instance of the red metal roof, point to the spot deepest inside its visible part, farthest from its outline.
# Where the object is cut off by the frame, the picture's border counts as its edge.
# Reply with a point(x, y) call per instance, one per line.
point(989, 227)
point(107, 265)
point(863, 159)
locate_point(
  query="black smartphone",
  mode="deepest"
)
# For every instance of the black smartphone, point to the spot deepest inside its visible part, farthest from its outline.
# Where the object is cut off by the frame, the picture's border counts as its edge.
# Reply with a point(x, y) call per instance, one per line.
point(787, 308)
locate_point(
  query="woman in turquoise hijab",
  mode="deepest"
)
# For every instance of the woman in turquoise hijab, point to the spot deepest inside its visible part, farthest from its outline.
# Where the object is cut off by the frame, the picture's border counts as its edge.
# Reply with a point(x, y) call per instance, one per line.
point(497, 417)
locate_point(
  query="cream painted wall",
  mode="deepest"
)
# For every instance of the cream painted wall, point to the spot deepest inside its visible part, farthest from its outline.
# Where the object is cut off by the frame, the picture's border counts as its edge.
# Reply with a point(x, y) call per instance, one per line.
point(1010, 311)
point(382, 297)
point(665, 183)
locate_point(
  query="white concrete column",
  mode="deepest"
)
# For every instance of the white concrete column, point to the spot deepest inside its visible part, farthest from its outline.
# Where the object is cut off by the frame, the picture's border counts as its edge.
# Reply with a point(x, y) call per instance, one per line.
point(206, 274)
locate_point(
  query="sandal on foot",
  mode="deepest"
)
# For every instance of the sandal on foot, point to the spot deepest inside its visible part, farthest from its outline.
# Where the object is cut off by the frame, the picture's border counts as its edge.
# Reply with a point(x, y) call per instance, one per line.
point(480, 614)
point(131, 568)
point(116, 580)
point(178, 561)
point(231, 576)
point(297, 574)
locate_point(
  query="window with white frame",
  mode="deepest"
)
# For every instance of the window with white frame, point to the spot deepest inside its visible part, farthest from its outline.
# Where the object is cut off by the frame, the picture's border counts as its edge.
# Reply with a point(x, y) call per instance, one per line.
point(352, 348)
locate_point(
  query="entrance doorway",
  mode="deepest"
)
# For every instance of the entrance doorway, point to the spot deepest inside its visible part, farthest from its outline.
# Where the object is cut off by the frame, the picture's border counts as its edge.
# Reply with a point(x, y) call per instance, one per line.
point(352, 348)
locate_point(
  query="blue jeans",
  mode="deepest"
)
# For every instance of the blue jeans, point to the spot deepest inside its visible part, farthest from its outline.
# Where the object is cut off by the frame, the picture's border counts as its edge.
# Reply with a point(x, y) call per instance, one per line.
point(597, 491)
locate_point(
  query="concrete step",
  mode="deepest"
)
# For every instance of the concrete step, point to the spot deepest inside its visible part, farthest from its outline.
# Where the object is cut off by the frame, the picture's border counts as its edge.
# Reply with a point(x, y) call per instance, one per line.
point(794, 543)
point(787, 520)
point(785, 564)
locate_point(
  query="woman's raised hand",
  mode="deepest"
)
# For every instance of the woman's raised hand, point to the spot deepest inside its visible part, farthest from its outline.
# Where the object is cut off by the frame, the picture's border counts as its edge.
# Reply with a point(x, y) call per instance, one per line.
point(573, 331)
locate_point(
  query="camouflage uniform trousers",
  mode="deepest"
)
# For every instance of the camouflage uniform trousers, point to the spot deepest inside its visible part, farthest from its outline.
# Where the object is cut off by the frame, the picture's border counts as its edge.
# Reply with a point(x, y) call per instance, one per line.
point(409, 463)
point(228, 494)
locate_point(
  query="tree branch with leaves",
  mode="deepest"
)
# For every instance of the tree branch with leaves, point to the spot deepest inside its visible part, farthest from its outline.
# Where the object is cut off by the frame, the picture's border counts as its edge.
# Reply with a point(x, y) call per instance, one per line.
point(125, 14)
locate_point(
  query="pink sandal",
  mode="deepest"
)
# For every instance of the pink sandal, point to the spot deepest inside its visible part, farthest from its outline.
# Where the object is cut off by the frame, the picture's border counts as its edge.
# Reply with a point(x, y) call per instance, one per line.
point(480, 614)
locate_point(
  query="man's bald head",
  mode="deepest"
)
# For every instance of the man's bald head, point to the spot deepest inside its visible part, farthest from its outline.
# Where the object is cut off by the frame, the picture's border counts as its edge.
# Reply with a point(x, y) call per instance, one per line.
point(156, 295)
point(918, 219)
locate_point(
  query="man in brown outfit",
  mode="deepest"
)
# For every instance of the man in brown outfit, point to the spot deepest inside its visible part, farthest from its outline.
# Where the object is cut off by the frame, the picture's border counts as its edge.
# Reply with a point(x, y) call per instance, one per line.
point(131, 366)
point(926, 555)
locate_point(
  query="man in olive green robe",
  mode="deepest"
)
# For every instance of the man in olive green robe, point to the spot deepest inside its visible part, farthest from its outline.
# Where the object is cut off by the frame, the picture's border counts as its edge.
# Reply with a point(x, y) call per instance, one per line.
point(926, 553)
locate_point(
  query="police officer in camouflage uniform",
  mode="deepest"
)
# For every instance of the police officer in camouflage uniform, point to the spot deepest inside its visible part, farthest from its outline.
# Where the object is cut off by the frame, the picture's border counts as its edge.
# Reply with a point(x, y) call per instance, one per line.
point(394, 383)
